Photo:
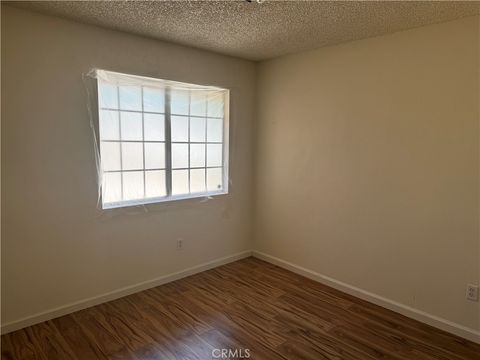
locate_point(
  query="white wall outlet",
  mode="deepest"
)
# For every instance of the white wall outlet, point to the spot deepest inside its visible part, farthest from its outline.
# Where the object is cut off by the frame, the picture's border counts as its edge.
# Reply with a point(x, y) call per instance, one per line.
point(472, 292)
point(179, 244)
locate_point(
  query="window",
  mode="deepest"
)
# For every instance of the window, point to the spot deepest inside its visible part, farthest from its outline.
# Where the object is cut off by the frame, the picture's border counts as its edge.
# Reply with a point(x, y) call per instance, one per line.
point(160, 140)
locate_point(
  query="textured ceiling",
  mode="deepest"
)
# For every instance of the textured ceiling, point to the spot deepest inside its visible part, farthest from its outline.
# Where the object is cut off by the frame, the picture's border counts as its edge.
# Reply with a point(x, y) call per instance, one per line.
point(256, 31)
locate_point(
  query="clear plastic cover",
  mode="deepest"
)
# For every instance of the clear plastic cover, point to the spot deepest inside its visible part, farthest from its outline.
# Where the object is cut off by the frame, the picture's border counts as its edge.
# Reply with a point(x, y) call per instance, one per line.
point(157, 140)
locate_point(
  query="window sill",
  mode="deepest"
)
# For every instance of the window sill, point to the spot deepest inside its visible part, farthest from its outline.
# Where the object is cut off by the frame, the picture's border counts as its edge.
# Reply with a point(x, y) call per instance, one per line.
point(151, 201)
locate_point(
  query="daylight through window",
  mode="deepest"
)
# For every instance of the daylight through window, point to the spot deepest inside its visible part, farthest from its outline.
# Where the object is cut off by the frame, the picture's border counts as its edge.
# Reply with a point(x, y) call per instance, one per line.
point(160, 140)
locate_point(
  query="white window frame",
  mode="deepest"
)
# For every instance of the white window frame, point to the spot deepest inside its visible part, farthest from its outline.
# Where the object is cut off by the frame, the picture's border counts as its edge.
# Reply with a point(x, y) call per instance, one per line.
point(171, 85)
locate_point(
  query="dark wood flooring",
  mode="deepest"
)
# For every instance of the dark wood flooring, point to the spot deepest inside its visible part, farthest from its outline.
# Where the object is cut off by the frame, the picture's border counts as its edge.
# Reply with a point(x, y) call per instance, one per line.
point(249, 306)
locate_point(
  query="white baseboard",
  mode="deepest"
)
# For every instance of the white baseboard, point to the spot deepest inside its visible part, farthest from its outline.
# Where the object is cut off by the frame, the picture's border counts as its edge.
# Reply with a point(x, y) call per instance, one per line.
point(115, 294)
point(435, 321)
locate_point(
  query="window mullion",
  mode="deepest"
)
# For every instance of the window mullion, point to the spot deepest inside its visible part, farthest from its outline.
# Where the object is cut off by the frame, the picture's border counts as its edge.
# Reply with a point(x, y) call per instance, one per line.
point(206, 141)
point(143, 147)
point(168, 142)
point(189, 111)
point(120, 137)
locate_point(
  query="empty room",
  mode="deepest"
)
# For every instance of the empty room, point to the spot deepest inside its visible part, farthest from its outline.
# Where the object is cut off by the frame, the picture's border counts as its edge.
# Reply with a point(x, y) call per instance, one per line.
point(240, 180)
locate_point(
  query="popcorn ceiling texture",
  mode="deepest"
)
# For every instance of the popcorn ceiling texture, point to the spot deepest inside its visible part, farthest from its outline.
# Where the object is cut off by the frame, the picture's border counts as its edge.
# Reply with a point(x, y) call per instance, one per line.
point(256, 31)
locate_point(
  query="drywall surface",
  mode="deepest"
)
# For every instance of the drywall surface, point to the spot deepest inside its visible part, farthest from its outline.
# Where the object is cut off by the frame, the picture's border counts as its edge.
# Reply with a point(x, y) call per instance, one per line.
point(57, 248)
point(368, 165)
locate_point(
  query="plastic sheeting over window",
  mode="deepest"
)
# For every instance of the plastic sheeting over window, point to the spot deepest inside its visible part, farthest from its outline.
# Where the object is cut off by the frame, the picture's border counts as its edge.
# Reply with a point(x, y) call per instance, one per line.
point(159, 140)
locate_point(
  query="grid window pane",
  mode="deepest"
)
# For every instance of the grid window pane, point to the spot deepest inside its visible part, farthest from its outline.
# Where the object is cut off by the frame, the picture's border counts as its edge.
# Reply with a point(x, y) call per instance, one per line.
point(153, 100)
point(197, 155)
point(107, 96)
point(179, 102)
point(198, 103)
point(112, 187)
point(214, 155)
point(179, 156)
point(155, 184)
point(131, 125)
point(154, 127)
point(179, 128)
point(110, 156)
point(215, 104)
point(215, 130)
point(197, 129)
point(130, 98)
point(133, 185)
point(180, 182)
point(214, 179)
point(197, 180)
point(159, 140)
point(132, 156)
point(109, 125)
point(154, 155)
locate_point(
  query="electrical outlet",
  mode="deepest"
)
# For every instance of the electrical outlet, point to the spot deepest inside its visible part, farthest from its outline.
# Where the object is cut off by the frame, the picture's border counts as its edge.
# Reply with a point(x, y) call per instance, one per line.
point(179, 244)
point(472, 292)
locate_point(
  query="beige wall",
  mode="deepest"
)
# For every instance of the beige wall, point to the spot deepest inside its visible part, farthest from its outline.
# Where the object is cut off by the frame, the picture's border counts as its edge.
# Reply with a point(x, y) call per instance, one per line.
point(368, 165)
point(57, 248)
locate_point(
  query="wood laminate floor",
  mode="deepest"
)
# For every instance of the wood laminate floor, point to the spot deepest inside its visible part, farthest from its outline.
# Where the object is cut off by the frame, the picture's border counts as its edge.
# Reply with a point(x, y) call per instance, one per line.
point(249, 306)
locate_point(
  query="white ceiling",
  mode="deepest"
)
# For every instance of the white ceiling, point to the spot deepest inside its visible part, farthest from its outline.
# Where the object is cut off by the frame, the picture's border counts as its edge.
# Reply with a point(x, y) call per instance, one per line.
point(256, 31)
